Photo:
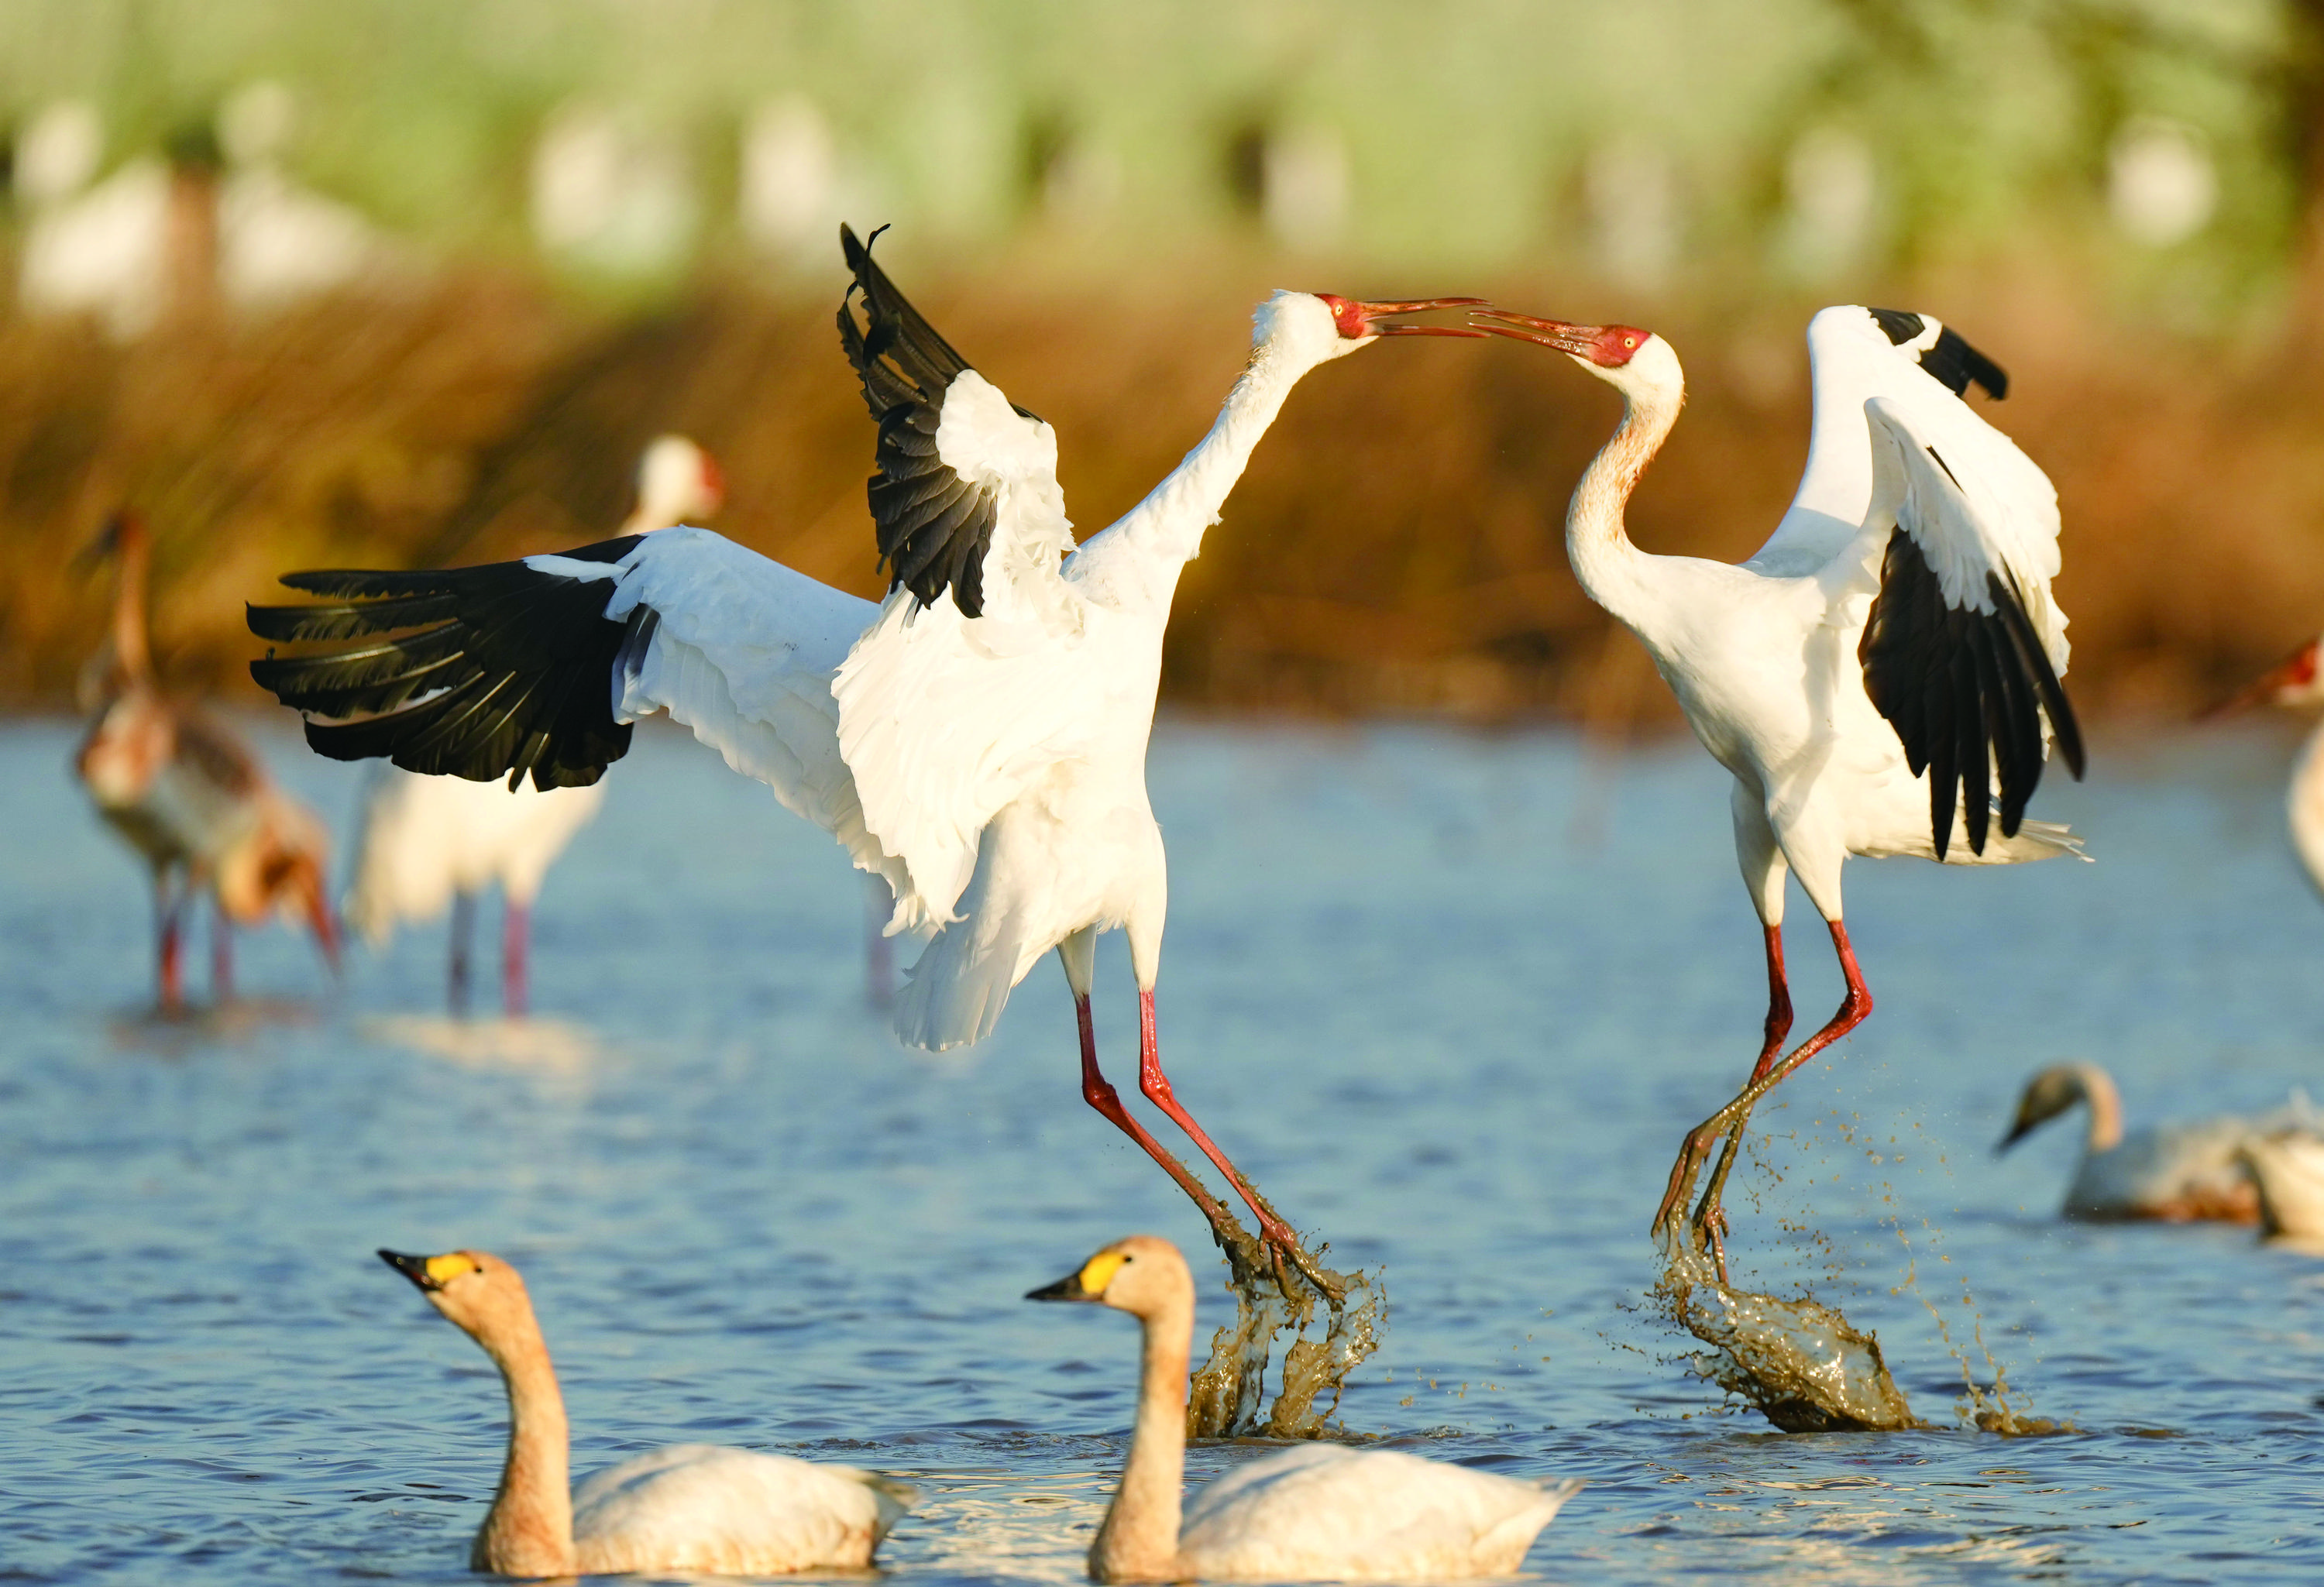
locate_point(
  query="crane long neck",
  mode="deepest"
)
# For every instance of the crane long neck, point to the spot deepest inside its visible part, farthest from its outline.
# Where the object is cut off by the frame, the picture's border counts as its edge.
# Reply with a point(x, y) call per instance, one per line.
point(529, 1531)
point(1164, 532)
point(1612, 570)
point(1139, 1541)
point(132, 651)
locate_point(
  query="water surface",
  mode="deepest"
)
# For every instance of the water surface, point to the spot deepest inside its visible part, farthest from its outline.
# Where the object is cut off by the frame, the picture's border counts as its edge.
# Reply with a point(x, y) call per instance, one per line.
point(1451, 1000)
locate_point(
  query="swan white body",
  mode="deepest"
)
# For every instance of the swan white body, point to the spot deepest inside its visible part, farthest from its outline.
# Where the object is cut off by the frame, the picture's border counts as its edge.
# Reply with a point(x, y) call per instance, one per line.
point(1318, 1512)
point(2288, 1171)
point(689, 1506)
point(1826, 674)
point(1327, 1512)
point(733, 1512)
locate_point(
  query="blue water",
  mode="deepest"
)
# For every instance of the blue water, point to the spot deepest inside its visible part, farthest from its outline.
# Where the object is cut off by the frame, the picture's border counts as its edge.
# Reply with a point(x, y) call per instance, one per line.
point(1450, 998)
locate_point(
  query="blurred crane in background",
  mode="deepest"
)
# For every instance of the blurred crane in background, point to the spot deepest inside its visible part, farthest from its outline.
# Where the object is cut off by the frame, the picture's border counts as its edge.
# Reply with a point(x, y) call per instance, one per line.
point(431, 840)
point(192, 798)
point(2298, 681)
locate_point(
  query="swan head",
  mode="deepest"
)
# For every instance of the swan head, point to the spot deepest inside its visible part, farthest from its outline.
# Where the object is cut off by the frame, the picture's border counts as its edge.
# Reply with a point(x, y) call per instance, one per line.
point(1316, 328)
point(2048, 1094)
point(478, 1293)
point(1142, 1274)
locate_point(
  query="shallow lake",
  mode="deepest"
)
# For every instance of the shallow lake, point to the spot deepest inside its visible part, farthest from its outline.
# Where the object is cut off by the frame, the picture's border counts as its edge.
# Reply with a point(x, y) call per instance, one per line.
point(1452, 1000)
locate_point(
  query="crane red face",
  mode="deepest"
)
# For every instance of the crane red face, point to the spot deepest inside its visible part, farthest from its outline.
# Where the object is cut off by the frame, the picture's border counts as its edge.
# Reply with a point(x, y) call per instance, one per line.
point(2291, 682)
point(1608, 346)
point(714, 485)
point(1358, 319)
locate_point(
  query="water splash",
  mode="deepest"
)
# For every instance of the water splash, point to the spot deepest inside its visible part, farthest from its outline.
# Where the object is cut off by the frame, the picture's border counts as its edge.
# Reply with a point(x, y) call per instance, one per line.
point(1228, 1390)
point(1800, 1362)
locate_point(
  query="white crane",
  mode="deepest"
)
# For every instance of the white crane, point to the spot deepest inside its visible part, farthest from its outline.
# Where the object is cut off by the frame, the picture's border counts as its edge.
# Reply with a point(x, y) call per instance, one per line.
point(2299, 681)
point(978, 739)
point(1891, 648)
point(192, 799)
point(429, 841)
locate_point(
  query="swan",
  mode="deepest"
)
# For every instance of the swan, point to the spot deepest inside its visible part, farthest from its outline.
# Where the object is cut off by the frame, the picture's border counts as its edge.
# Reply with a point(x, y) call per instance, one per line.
point(2287, 1169)
point(1320, 1511)
point(2177, 1173)
point(691, 1507)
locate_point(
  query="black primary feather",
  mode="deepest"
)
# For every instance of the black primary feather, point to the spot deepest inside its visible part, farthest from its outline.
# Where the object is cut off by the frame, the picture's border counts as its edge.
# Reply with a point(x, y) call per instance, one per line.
point(1965, 691)
point(932, 527)
point(498, 671)
point(1951, 360)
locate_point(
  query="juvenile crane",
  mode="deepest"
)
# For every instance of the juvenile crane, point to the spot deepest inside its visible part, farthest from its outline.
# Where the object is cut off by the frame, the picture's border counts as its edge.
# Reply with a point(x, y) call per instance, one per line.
point(1890, 654)
point(978, 739)
point(192, 798)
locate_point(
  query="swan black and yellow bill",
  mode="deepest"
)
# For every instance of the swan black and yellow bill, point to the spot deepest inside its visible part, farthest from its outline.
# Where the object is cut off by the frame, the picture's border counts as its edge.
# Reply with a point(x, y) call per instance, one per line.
point(427, 1272)
point(1086, 1283)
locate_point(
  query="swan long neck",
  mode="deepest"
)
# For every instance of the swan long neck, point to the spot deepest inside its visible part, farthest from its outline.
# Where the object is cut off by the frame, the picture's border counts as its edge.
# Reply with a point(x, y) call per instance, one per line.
point(1164, 532)
point(529, 1532)
point(1609, 568)
point(2106, 1108)
point(1139, 1540)
point(132, 649)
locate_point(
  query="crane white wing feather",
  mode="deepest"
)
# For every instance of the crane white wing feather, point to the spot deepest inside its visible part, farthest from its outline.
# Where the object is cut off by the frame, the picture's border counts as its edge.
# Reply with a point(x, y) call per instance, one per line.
point(1855, 354)
point(743, 649)
point(1971, 502)
point(946, 719)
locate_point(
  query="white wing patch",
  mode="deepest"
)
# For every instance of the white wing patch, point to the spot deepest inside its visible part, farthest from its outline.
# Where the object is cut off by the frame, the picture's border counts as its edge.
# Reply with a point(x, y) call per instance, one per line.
point(1972, 503)
point(946, 719)
point(743, 649)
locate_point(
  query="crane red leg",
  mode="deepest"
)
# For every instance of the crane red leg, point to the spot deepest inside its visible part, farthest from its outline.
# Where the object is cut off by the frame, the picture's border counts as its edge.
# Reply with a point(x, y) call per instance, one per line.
point(464, 931)
point(1854, 1006)
point(168, 969)
point(516, 931)
point(1778, 1026)
point(1098, 1093)
point(221, 958)
point(1156, 1084)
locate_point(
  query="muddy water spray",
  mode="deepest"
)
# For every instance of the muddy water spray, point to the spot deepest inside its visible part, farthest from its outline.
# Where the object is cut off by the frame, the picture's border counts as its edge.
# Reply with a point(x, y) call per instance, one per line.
point(1228, 1390)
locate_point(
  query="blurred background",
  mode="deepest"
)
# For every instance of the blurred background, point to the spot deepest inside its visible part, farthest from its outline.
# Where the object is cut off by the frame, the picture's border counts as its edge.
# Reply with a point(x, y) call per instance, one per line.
point(397, 282)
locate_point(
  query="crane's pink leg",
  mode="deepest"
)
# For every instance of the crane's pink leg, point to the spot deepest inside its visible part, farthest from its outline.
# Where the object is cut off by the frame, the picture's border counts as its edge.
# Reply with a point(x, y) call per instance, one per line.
point(1854, 1006)
point(464, 931)
point(221, 958)
point(1156, 1084)
point(168, 969)
point(515, 937)
point(1098, 1093)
